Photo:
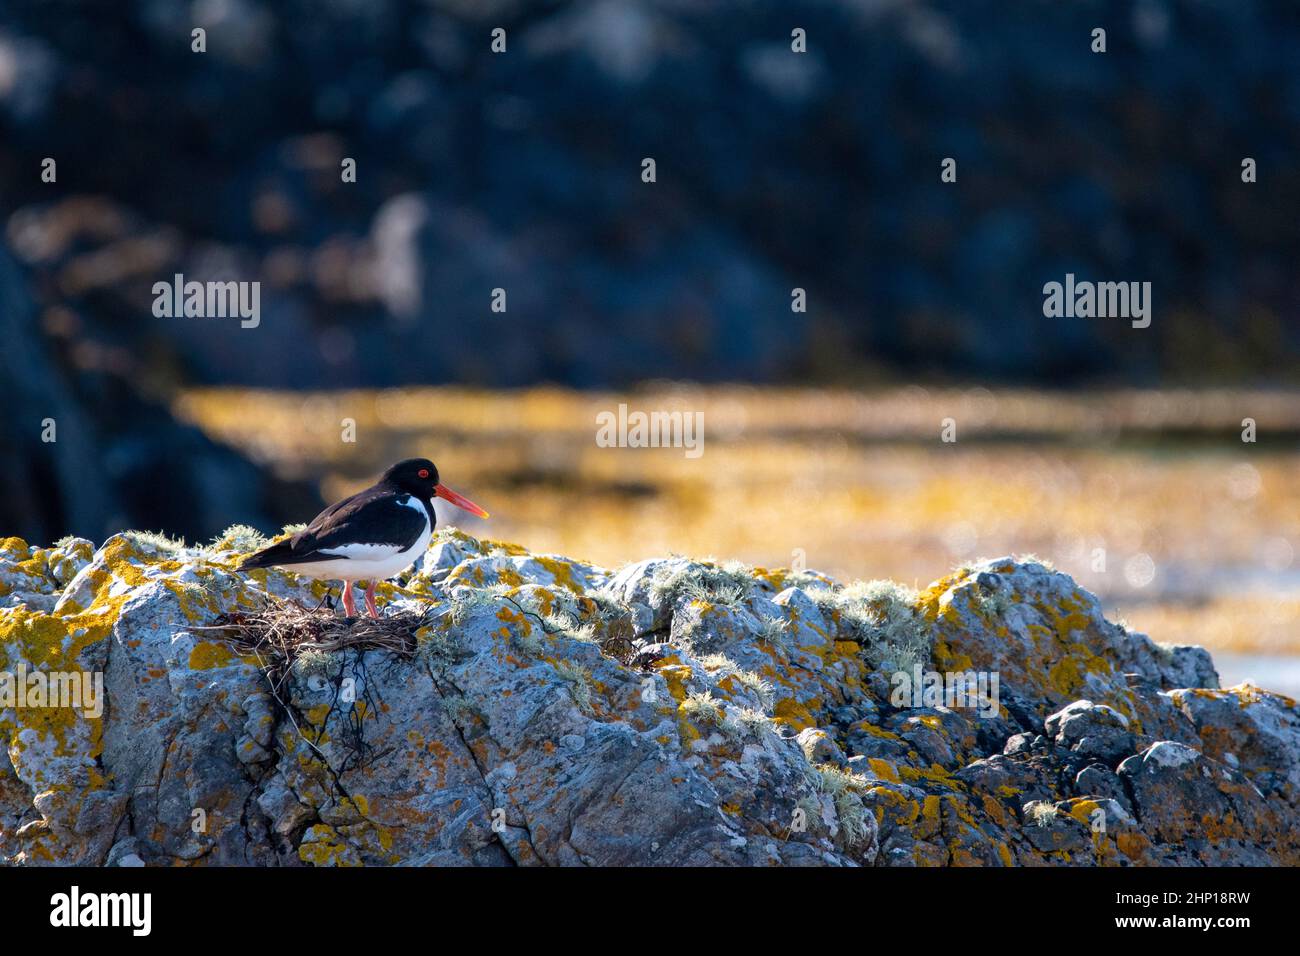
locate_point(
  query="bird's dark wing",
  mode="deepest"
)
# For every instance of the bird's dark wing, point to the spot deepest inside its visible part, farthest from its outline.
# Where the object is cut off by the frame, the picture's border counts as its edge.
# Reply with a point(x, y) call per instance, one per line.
point(371, 517)
point(374, 516)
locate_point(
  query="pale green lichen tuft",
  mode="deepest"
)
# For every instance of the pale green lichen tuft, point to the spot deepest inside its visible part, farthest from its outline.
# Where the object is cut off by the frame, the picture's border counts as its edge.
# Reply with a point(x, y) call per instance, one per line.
point(466, 600)
point(845, 790)
point(757, 686)
point(579, 681)
point(882, 617)
point(438, 647)
point(240, 538)
point(993, 603)
point(314, 663)
point(563, 623)
point(746, 723)
point(607, 605)
point(704, 707)
point(155, 541)
point(1041, 814)
point(461, 709)
point(729, 585)
point(774, 630)
point(721, 667)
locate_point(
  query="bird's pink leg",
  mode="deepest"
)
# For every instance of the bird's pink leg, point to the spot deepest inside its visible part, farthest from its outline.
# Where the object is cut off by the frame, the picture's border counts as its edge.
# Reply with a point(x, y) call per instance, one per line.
point(370, 600)
point(349, 602)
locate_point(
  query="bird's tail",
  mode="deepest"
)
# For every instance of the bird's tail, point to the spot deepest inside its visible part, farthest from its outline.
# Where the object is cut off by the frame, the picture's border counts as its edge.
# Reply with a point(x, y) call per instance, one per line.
point(267, 557)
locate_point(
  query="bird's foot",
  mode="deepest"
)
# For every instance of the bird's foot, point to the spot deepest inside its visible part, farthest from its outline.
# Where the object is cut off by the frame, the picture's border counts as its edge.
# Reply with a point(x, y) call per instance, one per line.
point(370, 600)
point(349, 602)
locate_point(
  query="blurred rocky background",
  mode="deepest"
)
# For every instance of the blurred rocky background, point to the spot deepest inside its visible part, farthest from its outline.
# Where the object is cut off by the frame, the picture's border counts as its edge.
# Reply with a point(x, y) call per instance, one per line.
point(522, 171)
point(775, 170)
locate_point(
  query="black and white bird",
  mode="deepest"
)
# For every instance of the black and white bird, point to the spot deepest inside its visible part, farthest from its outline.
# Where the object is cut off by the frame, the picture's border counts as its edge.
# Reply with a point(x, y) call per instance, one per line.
point(369, 536)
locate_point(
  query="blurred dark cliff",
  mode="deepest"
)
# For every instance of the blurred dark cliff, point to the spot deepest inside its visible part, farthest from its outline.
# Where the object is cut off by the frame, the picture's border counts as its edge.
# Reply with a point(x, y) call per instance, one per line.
point(522, 171)
point(775, 170)
point(88, 454)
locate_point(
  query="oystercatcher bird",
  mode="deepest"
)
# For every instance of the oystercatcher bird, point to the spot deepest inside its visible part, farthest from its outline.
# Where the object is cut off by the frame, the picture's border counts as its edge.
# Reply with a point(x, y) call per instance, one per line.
point(370, 536)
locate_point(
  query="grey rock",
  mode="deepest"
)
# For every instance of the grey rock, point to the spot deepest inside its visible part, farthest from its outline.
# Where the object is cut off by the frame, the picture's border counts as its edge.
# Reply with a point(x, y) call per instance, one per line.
point(1091, 730)
point(1098, 780)
point(819, 746)
point(1019, 743)
point(500, 741)
point(1052, 831)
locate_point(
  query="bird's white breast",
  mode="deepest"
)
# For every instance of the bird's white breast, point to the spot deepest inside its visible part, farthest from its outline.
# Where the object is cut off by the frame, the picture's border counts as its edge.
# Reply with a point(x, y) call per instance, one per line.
point(365, 562)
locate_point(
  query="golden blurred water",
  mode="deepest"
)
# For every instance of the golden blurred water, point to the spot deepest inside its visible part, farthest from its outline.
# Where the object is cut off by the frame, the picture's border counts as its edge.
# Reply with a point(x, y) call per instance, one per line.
point(1150, 499)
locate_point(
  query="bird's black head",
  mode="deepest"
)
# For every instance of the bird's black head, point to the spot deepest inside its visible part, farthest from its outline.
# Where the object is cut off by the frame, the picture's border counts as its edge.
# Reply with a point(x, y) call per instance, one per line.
point(419, 477)
point(416, 476)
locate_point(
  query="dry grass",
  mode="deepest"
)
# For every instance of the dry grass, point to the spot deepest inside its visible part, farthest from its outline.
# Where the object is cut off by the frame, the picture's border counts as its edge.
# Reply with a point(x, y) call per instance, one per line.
point(283, 633)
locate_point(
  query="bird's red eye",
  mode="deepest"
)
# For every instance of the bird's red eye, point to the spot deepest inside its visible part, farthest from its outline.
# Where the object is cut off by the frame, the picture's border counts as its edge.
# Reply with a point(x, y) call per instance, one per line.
point(424, 472)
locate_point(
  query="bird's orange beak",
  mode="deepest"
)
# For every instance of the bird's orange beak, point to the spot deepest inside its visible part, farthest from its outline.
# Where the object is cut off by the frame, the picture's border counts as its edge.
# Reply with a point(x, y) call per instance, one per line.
point(460, 501)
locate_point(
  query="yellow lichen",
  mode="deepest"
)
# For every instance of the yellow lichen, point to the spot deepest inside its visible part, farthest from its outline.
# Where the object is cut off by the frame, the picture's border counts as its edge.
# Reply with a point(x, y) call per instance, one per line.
point(561, 571)
point(883, 769)
point(207, 655)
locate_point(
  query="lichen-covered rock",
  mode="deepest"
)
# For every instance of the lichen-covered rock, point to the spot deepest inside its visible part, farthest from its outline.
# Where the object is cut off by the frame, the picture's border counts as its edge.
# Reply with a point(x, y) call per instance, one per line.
point(1250, 730)
point(1191, 804)
point(673, 712)
point(26, 575)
